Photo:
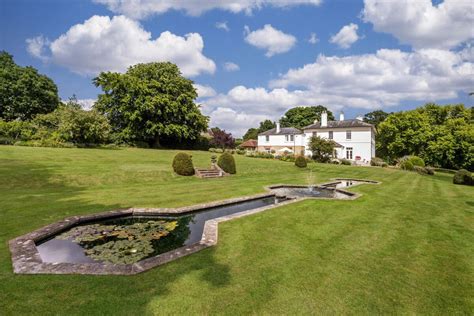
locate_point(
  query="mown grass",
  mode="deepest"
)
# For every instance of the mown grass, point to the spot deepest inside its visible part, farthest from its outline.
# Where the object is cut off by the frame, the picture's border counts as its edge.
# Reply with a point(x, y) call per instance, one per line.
point(404, 247)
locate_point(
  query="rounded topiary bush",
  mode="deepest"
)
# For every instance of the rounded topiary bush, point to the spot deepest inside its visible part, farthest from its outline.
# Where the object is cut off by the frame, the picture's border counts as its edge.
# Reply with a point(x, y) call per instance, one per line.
point(227, 163)
point(183, 164)
point(463, 177)
point(300, 162)
point(406, 165)
point(417, 161)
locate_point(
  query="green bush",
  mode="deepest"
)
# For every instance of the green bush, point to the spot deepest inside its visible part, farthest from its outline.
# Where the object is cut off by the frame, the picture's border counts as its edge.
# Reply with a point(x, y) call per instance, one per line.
point(346, 162)
point(415, 161)
point(227, 163)
point(240, 152)
point(212, 150)
point(406, 165)
point(219, 150)
point(183, 164)
point(300, 162)
point(377, 162)
point(429, 171)
point(463, 177)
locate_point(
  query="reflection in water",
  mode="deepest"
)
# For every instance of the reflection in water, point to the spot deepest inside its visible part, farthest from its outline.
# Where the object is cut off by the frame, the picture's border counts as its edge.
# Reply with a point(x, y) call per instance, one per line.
point(131, 239)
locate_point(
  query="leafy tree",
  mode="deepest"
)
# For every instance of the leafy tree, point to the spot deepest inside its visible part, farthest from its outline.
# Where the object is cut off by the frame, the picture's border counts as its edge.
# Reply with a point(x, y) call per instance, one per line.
point(221, 138)
point(23, 91)
point(443, 136)
point(70, 123)
point(375, 118)
point(266, 125)
point(302, 116)
point(321, 148)
point(252, 133)
point(150, 102)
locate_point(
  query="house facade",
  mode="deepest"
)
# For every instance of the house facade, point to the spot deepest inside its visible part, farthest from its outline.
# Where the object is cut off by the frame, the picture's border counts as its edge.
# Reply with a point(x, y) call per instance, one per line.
point(354, 139)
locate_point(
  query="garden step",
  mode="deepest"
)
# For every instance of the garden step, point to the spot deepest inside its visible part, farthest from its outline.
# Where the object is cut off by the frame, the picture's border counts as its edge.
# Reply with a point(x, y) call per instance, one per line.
point(208, 173)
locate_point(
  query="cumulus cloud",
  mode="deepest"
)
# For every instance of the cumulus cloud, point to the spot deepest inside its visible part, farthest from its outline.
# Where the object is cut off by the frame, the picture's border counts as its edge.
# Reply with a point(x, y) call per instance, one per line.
point(37, 47)
point(346, 36)
point(230, 66)
point(204, 91)
point(223, 26)
point(113, 44)
point(272, 40)
point(422, 24)
point(235, 122)
point(86, 104)
point(313, 39)
point(371, 81)
point(139, 9)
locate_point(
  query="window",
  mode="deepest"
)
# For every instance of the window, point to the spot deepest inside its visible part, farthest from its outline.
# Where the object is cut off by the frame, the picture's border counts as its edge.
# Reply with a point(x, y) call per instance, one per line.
point(315, 134)
point(286, 138)
point(348, 135)
point(349, 153)
point(292, 138)
point(267, 138)
point(330, 135)
point(289, 138)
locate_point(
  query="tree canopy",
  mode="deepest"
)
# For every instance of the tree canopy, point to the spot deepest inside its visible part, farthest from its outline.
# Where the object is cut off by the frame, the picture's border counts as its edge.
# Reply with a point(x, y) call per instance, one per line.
point(443, 136)
point(221, 138)
point(321, 148)
point(303, 116)
point(24, 92)
point(376, 117)
point(252, 133)
point(150, 102)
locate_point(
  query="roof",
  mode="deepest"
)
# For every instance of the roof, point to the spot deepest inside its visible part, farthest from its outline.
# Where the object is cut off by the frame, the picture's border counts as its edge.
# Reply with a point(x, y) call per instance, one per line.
point(340, 124)
point(336, 144)
point(283, 131)
point(249, 143)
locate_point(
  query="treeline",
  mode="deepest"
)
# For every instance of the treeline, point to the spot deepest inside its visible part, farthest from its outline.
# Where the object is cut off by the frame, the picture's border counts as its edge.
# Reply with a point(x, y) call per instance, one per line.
point(151, 105)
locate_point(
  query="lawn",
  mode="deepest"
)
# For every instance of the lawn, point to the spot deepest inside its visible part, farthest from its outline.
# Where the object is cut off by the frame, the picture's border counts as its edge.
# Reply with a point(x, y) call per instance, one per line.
point(404, 247)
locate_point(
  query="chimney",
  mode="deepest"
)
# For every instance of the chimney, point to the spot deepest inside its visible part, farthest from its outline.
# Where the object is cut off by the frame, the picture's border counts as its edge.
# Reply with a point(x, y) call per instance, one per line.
point(278, 128)
point(341, 116)
point(315, 121)
point(324, 119)
point(359, 118)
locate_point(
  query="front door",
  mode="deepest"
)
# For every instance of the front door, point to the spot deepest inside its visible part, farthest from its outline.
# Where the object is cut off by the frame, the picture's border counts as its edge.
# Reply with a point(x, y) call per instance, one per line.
point(349, 153)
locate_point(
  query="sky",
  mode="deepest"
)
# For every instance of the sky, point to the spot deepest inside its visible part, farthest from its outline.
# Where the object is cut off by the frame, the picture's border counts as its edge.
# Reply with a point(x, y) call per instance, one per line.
point(252, 60)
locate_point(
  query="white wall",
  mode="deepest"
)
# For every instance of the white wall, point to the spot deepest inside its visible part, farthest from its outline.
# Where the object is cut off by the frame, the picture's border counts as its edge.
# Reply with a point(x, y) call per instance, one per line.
point(361, 141)
point(280, 140)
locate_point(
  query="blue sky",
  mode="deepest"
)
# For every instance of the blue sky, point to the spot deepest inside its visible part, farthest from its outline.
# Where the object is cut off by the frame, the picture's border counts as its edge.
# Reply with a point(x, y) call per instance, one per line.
point(368, 55)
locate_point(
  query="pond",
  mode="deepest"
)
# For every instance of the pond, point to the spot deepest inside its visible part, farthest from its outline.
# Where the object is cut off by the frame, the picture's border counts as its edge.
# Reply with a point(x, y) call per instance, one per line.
point(127, 240)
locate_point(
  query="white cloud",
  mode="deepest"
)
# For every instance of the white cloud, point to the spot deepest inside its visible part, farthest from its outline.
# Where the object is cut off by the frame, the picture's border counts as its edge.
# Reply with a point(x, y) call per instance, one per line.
point(346, 36)
point(422, 24)
point(313, 39)
point(104, 44)
point(223, 26)
point(139, 9)
point(230, 66)
point(36, 47)
point(204, 91)
point(368, 82)
point(86, 104)
point(272, 40)
point(235, 122)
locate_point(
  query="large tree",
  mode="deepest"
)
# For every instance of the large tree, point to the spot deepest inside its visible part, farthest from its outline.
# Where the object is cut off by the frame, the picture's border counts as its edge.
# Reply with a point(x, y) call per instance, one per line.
point(266, 125)
point(150, 102)
point(302, 116)
point(322, 149)
point(376, 117)
point(252, 133)
point(442, 135)
point(24, 92)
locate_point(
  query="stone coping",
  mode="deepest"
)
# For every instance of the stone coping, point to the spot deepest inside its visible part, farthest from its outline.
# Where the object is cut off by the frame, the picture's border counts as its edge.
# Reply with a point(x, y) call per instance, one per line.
point(27, 260)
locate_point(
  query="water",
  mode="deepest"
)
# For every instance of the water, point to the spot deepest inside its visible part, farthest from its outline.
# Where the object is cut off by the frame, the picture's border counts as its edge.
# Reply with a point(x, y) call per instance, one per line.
point(345, 184)
point(309, 191)
point(130, 239)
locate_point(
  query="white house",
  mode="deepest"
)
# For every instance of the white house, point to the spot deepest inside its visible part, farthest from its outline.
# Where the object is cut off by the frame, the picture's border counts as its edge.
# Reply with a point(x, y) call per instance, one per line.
point(354, 139)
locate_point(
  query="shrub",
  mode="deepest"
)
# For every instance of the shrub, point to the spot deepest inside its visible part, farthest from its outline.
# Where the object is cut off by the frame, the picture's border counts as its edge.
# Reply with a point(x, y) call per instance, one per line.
point(219, 150)
point(415, 161)
point(377, 162)
point(227, 163)
point(429, 170)
point(420, 170)
point(384, 165)
point(212, 150)
point(240, 151)
point(300, 162)
point(346, 162)
point(406, 165)
point(463, 177)
point(183, 164)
